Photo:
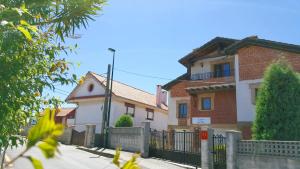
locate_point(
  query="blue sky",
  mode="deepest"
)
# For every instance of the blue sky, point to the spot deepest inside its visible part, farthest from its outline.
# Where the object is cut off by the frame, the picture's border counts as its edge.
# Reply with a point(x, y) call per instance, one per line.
point(151, 35)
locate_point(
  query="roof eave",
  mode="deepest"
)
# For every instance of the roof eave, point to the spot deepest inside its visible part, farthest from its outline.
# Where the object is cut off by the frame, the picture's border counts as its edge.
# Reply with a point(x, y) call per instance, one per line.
point(175, 81)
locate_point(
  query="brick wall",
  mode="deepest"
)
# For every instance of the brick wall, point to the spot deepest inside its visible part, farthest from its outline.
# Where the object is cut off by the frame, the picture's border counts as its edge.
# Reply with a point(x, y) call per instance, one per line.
point(178, 90)
point(253, 61)
point(224, 111)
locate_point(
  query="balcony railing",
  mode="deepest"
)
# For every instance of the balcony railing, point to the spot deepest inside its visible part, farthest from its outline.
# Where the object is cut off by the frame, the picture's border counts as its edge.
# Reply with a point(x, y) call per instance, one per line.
point(210, 75)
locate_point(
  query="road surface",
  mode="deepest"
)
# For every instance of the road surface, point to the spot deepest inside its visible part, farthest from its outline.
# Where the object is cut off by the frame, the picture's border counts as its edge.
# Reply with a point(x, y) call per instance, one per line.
point(73, 158)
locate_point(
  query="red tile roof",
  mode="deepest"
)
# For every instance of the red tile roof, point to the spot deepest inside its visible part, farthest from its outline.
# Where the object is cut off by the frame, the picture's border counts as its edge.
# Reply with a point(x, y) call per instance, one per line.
point(131, 93)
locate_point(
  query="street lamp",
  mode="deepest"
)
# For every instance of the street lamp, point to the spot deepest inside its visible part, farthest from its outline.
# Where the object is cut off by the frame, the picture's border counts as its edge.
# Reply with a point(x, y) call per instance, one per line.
point(111, 84)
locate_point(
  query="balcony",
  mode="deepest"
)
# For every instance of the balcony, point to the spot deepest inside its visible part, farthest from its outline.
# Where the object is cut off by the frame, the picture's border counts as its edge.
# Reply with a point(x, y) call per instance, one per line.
point(210, 75)
point(211, 81)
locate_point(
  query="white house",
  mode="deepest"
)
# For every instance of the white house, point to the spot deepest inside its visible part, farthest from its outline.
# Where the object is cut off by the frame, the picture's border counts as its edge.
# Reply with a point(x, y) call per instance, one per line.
point(141, 105)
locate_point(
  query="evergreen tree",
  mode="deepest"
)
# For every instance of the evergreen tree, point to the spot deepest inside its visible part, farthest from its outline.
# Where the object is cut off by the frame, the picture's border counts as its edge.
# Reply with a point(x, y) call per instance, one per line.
point(278, 104)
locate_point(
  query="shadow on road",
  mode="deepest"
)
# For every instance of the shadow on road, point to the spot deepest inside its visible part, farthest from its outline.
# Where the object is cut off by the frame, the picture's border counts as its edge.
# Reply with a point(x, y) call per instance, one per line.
point(100, 153)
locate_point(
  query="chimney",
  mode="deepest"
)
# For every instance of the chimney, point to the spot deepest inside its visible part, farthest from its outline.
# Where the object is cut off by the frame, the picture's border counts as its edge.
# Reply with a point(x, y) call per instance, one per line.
point(158, 95)
point(161, 96)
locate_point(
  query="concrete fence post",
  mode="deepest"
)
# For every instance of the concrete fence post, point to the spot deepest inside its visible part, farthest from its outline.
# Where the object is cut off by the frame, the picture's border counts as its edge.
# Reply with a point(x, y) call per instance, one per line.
point(206, 147)
point(232, 139)
point(145, 135)
point(89, 138)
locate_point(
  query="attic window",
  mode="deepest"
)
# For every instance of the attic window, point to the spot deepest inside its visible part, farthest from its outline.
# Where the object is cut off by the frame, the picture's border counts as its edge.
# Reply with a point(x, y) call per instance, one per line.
point(91, 87)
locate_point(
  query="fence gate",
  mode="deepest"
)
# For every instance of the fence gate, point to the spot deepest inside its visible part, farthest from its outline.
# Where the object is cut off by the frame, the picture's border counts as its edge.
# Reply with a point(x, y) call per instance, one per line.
point(182, 147)
point(219, 151)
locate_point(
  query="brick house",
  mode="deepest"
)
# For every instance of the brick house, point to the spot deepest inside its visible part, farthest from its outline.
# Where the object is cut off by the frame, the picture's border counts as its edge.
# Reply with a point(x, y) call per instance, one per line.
point(221, 82)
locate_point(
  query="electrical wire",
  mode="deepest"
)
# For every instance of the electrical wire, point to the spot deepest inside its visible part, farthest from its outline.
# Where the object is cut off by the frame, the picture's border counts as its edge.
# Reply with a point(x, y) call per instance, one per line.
point(142, 75)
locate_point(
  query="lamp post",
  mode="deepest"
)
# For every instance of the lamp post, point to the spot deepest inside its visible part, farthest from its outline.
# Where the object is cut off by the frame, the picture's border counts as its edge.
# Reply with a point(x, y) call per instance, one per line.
point(111, 84)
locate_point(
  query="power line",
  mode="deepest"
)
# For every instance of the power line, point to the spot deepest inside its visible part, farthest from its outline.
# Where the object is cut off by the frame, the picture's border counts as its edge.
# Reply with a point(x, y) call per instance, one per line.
point(64, 91)
point(142, 75)
point(61, 93)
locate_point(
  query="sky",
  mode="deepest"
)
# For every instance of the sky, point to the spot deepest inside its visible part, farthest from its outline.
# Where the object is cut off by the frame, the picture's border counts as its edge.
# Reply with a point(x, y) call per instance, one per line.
point(150, 36)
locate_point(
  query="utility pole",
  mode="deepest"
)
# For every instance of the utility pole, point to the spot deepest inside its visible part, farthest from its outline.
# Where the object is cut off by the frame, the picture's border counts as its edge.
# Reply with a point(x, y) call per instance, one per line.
point(111, 84)
point(105, 110)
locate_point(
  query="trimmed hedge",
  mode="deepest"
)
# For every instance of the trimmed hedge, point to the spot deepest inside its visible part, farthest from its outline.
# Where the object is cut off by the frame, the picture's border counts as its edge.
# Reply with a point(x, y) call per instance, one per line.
point(124, 121)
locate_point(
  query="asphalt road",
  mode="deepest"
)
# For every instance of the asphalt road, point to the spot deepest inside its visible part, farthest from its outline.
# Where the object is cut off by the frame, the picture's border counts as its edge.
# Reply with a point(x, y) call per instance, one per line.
point(73, 158)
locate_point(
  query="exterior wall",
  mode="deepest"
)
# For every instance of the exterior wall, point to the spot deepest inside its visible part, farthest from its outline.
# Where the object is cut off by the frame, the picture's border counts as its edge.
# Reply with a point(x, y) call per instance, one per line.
point(172, 116)
point(256, 154)
point(253, 61)
point(140, 115)
point(245, 108)
point(224, 110)
point(271, 162)
point(175, 94)
point(65, 138)
point(83, 89)
point(134, 139)
point(207, 64)
point(178, 90)
point(197, 67)
point(89, 113)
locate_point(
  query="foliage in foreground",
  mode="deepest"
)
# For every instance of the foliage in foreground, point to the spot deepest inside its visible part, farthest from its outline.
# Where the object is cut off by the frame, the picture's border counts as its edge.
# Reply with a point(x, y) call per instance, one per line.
point(130, 164)
point(43, 135)
point(124, 121)
point(32, 38)
point(278, 104)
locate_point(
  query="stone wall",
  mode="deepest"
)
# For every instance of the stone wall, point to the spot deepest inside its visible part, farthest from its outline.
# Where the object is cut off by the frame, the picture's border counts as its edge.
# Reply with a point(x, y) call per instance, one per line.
point(133, 139)
point(66, 137)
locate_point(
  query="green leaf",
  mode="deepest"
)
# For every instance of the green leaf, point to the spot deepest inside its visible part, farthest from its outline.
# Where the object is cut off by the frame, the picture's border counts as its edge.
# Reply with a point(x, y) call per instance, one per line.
point(58, 130)
point(23, 22)
point(25, 32)
point(47, 149)
point(36, 163)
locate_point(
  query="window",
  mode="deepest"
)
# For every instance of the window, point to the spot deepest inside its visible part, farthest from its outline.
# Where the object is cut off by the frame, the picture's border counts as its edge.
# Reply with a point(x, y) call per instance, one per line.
point(254, 92)
point(222, 70)
point(182, 110)
point(150, 114)
point(206, 103)
point(91, 87)
point(130, 109)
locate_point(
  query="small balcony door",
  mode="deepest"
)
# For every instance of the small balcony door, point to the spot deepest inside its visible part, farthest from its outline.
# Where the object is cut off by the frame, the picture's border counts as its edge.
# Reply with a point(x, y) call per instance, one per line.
point(222, 70)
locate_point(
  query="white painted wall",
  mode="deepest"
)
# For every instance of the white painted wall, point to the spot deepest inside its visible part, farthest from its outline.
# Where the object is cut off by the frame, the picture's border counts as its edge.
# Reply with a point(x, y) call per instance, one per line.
point(159, 122)
point(245, 108)
point(83, 89)
point(89, 113)
point(197, 68)
point(172, 118)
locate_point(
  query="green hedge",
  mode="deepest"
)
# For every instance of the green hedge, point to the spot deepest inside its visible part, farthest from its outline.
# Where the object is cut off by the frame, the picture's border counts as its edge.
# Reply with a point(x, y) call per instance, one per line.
point(124, 121)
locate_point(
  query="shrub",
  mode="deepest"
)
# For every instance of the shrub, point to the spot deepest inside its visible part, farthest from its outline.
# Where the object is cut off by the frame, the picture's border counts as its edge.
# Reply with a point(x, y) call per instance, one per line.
point(124, 121)
point(278, 104)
